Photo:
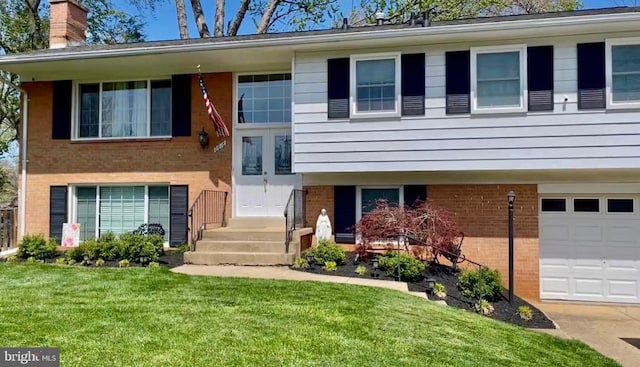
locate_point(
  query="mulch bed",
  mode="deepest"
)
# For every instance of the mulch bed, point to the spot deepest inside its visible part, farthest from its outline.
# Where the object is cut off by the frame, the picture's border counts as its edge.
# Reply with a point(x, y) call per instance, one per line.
point(447, 276)
point(170, 259)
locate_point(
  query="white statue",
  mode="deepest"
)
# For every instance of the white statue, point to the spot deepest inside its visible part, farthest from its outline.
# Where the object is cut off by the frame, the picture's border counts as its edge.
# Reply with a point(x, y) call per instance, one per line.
point(323, 226)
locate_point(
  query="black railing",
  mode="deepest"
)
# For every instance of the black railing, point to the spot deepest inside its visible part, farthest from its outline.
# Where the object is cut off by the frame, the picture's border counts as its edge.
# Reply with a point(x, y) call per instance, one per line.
point(208, 211)
point(294, 215)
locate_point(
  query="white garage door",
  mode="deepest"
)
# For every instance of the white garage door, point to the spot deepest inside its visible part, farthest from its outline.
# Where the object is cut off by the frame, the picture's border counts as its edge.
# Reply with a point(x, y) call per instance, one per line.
point(590, 248)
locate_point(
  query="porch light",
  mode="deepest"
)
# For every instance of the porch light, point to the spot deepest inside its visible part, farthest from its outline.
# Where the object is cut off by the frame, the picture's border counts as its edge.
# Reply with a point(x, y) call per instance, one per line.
point(375, 263)
point(431, 283)
point(203, 138)
point(85, 259)
point(310, 259)
point(511, 196)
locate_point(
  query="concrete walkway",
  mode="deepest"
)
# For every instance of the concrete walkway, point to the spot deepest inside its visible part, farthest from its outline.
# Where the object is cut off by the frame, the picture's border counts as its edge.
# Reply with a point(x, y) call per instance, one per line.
point(283, 272)
point(600, 326)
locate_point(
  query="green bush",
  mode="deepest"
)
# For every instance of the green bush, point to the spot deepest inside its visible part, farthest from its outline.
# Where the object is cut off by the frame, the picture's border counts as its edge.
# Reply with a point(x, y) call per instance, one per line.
point(483, 307)
point(525, 313)
point(60, 261)
point(183, 248)
point(100, 263)
point(154, 265)
point(440, 291)
point(12, 259)
point(411, 269)
point(111, 248)
point(361, 270)
point(90, 248)
point(330, 266)
point(327, 252)
point(480, 284)
point(123, 263)
point(300, 263)
point(36, 246)
point(137, 245)
point(71, 262)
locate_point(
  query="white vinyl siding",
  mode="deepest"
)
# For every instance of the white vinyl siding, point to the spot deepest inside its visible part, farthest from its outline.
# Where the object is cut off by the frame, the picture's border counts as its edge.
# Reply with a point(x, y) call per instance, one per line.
point(565, 138)
point(623, 72)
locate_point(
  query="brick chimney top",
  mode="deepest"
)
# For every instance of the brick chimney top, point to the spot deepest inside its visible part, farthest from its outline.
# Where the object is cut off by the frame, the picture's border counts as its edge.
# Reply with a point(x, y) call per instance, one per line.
point(68, 23)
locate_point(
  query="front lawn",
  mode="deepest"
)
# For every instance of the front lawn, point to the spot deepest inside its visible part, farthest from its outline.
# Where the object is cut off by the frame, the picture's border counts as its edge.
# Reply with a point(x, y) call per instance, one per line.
point(151, 317)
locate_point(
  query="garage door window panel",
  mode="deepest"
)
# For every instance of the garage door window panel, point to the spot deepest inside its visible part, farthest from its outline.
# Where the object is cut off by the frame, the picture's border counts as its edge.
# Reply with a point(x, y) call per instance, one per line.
point(553, 205)
point(587, 205)
point(620, 205)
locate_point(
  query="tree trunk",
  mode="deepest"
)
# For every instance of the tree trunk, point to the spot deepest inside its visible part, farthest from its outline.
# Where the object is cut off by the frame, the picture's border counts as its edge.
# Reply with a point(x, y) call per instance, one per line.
point(235, 25)
point(265, 21)
point(201, 22)
point(219, 31)
point(182, 19)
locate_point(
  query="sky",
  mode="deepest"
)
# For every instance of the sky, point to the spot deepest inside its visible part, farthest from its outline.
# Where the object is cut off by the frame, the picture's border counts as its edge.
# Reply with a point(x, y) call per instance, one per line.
point(162, 24)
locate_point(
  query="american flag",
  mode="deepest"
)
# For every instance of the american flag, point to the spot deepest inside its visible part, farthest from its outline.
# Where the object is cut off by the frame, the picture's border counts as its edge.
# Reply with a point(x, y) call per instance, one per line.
point(218, 122)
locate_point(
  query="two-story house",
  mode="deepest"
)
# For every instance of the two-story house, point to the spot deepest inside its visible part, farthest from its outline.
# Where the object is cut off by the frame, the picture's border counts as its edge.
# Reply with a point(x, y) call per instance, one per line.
point(459, 112)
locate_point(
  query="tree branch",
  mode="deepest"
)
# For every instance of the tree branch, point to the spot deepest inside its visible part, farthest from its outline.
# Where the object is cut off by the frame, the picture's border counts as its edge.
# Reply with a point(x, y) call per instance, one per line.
point(219, 22)
point(233, 28)
point(263, 26)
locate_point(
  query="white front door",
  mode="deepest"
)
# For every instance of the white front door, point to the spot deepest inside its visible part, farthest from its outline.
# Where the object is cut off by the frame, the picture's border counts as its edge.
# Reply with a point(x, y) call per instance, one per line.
point(262, 172)
point(590, 248)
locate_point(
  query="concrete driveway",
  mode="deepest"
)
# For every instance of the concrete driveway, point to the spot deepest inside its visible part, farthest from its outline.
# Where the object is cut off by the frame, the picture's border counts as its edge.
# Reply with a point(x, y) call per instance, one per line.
point(603, 327)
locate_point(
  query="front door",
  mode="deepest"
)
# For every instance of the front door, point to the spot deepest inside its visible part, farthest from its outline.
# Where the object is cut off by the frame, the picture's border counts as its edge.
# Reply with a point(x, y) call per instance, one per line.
point(263, 177)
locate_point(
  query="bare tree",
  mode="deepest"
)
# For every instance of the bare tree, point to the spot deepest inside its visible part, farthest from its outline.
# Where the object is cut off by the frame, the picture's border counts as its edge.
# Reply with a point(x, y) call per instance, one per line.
point(237, 20)
point(219, 31)
point(201, 21)
point(182, 19)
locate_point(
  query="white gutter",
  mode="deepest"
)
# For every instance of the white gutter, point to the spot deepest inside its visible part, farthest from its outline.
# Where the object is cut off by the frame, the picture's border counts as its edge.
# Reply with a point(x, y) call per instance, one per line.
point(298, 42)
point(23, 174)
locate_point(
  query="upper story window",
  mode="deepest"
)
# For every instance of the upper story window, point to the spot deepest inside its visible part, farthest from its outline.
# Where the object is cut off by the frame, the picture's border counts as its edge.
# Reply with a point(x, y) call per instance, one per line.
point(264, 98)
point(498, 79)
point(129, 109)
point(623, 72)
point(375, 85)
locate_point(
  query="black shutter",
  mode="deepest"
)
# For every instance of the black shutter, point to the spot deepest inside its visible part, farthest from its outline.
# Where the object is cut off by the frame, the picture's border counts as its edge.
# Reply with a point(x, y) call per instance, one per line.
point(413, 84)
point(413, 193)
point(345, 209)
point(458, 82)
point(181, 105)
point(540, 78)
point(591, 76)
point(61, 117)
point(338, 88)
point(179, 203)
point(57, 211)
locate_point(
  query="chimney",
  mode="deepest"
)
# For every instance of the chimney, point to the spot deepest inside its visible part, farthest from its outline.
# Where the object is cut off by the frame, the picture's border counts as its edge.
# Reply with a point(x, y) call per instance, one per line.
point(380, 18)
point(68, 23)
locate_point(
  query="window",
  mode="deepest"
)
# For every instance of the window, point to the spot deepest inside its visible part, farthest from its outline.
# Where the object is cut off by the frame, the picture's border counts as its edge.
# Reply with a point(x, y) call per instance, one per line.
point(282, 152)
point(368, 198)
point(120, 209)
point(623, 72)
point(553, 205)
point(134, 109)
point(375, 85)
point(498, 79)
point(620, 205)
point(586, 205)
point(264, 98)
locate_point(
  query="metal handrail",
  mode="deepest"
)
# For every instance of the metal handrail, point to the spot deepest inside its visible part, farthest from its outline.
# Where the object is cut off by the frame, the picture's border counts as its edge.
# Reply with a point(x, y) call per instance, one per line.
point(296, 205)
point(208, 210)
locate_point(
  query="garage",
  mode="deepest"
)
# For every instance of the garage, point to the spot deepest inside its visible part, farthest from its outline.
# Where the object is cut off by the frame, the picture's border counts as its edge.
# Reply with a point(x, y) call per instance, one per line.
point(589, 245)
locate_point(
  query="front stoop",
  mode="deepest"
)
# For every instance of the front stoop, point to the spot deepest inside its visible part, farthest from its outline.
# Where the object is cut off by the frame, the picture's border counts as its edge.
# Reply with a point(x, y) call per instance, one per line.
point(251, 241)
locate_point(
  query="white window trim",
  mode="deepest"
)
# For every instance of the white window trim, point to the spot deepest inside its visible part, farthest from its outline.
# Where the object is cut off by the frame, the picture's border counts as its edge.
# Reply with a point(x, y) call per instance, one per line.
point(567, 203)
point(74, 203)
point(601, 208)
point(400, 188)
point(75, 107)
point(606, 205)
point(475, 51)
point(258, 125)
point(352, 85)
point(609, 72)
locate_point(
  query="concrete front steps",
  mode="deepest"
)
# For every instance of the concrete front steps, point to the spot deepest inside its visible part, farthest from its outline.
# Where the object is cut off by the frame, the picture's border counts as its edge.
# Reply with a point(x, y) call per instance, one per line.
point(246, 241)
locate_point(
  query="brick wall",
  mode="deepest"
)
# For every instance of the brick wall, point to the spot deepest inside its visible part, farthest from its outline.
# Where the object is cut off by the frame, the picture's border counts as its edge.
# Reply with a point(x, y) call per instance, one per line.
point(318, 198)
point(176, 161)
point(481, 213)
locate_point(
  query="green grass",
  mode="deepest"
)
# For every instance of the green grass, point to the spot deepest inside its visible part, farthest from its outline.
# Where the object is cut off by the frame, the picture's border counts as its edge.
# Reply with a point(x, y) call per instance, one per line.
point(144, 317)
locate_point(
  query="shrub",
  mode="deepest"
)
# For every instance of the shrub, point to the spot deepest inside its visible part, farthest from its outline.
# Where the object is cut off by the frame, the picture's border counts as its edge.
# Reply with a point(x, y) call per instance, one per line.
point(411, 269)
point(423, 221)
point(525, 313)
point(361, 270)
point(136, 246)
point(71, 262)
point(12, 259)
point(327, 252)
point(36, 246)
point(123, 263)
point(154, 265)
point(480, 284)
point(330, 266)
point(90, 248)
point(60, 261)
point(109, 247)
point(300, 263)
point(100, 263)
point(483, 307)
point(31, 260)
point(440, 291)
point(183, 248)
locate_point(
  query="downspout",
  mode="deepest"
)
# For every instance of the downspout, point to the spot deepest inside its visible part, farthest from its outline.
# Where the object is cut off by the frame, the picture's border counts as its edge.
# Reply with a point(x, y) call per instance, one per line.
point(23, 164)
